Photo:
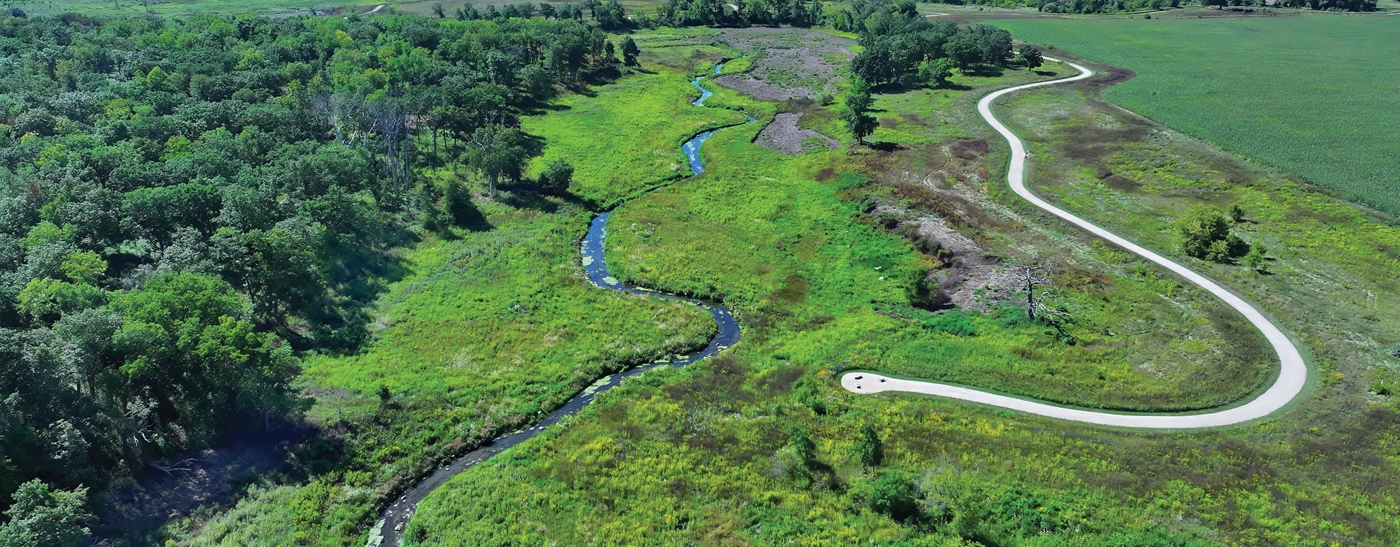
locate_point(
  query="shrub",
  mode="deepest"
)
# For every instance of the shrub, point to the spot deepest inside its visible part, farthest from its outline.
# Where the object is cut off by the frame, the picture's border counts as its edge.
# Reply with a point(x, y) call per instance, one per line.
point(956, 323)
point(557, 177)
point(1394, 351)
point(870, 449)
point(1203, 232)
point(1255, 259)
point(893, 494)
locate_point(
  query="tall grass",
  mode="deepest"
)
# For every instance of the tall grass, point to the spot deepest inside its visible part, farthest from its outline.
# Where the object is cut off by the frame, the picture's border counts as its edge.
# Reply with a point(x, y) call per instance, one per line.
point(488, 329)
point(627, 137)
point(707, 455)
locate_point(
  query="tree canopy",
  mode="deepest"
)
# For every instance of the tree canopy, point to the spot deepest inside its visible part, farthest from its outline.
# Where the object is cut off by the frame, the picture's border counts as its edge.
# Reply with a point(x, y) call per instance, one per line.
point(186, 203)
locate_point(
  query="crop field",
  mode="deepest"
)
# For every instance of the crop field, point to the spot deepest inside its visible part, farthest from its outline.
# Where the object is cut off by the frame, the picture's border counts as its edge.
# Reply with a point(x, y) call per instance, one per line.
point(1315, 97)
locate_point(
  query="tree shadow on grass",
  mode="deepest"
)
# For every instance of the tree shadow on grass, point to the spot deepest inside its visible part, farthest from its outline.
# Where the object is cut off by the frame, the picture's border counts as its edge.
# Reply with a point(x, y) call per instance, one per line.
point(521, 198)
point(465, 215)
point(984, 71)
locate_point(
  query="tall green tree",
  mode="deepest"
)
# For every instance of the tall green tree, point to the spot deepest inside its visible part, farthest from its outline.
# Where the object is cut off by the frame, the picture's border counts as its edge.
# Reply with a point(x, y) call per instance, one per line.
point(855, 110)
point(40, 517)
point(498, 151)
point(630, 51)
point(1031, 57)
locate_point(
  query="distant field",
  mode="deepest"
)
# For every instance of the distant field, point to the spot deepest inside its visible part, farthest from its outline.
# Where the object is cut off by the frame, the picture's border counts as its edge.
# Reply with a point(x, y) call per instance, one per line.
point(1317, 97)
point(268, 7)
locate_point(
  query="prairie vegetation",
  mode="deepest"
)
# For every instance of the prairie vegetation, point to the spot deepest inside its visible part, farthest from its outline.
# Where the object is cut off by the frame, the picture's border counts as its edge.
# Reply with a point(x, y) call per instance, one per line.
point(623, 140)
point(761, 445)
point(431, 311)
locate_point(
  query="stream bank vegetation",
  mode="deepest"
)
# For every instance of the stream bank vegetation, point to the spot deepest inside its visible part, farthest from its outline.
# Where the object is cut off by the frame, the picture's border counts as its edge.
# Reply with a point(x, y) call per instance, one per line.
point(379, 292)
point(897, 255)
point(315, 240)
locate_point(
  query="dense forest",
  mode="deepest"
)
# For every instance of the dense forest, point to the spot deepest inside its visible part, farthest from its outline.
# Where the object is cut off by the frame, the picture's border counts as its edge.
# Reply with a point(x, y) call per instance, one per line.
point(187, 205)
point(897, 41)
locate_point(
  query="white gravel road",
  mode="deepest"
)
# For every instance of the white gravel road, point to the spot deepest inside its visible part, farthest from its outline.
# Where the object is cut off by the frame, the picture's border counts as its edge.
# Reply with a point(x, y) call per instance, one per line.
point(1293, 373)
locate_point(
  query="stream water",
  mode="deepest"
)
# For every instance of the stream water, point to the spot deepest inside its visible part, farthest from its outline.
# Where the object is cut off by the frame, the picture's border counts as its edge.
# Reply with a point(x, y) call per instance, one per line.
point(388, 530)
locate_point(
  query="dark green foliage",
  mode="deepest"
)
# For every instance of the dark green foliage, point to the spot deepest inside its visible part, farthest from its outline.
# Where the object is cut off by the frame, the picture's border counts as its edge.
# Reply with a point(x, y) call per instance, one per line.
point(1236, 213)
point(1204, 232)
point(1031, 57)
point(936, 72)
point(630, 51)
point(1394, 351)
point(956, 323)
point(43, 518)
point(1255, 259)
point(894, 494)
point(184, 201)
point(855, 113)
point(556, 177)
point(798, 13)
point(898, 42)
point(851, 179)
point(870, 449)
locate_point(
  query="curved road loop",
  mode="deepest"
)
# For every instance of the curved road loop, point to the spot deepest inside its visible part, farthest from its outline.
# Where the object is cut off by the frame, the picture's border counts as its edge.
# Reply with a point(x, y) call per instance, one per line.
point(1293, 373)
point(388, 530)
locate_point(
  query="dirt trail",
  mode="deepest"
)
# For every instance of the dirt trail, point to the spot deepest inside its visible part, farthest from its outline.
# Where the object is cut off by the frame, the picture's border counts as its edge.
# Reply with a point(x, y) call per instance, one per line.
point(1293, 372)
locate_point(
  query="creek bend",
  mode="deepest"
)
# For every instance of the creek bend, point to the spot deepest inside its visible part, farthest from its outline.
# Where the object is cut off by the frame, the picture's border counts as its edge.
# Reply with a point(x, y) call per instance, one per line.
point(388, 530)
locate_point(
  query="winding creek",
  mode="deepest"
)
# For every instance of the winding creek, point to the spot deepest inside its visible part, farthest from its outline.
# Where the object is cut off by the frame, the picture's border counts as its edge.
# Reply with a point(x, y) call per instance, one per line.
point(1287, 386)
point(388, 530)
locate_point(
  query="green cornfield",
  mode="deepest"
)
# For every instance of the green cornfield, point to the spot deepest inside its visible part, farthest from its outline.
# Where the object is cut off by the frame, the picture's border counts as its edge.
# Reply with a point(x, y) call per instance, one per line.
point(1315, 96)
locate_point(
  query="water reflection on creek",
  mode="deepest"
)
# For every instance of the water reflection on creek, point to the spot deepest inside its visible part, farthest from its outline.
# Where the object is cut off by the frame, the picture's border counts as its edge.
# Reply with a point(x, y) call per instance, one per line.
point(388, 530)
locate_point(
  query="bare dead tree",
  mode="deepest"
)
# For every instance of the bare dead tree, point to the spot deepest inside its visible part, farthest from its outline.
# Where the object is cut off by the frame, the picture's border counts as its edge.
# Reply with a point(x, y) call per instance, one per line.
point(1040, 291)
point(177, 467)
point(337, 109)
point(390, 119)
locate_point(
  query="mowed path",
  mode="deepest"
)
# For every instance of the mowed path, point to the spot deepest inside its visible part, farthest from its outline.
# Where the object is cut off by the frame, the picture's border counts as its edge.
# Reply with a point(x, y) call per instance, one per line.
point(1293, 373)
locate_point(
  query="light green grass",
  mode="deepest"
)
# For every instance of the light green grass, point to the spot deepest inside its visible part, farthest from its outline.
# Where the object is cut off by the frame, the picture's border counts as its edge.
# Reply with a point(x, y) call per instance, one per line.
point(703, 455)
point(489, 329)
point(627, 138)
point(1317, 97)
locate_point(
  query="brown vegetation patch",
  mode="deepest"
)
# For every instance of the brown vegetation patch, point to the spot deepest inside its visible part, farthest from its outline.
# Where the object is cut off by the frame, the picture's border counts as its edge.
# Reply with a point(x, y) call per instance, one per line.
point(791, 63)
point(783, 135)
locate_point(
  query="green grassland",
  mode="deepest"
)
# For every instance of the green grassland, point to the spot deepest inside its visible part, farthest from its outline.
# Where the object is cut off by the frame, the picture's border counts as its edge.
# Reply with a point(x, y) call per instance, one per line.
point(627, 137)
point(1313, 96)
point(489, 328)
point(713, 455)
point(757, 232)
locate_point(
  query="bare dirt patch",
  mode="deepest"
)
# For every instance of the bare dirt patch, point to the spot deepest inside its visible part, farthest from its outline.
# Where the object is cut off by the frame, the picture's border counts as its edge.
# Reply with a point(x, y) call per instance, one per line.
point(790, 63)
point(783, 135)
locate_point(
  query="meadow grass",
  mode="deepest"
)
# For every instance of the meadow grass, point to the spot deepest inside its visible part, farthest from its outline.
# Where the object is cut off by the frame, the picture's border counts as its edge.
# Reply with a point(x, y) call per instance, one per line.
point(489, 329)
point(627, 137)
point(760, 233)
point(706, 454)
point(1313, 96)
